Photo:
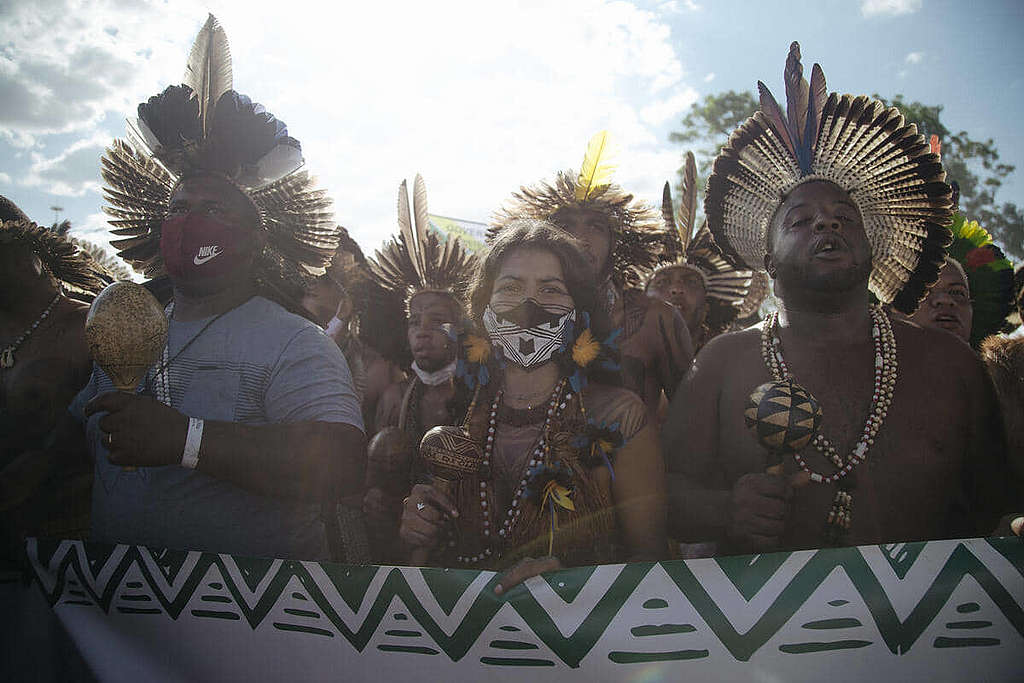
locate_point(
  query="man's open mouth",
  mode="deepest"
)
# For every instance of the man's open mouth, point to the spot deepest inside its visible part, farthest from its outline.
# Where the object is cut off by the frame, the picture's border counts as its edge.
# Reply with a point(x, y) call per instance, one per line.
point(946, 320)
point(830, 245)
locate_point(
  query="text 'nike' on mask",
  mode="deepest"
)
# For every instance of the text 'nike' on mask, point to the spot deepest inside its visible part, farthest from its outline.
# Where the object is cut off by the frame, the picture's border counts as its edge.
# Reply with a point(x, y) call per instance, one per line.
point(198, 247)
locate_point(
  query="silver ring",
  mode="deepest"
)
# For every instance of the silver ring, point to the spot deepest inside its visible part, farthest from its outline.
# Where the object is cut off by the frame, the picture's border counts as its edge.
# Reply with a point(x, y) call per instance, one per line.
point(420, 506)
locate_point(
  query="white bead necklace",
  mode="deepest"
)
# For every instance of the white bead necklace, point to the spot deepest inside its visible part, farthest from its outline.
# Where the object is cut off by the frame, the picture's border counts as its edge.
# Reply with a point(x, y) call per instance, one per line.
point(881, 399)
point(7, 355)
point(556, 404)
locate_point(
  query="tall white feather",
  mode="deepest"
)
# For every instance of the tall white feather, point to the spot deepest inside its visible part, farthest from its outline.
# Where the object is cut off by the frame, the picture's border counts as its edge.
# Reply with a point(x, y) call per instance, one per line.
point(208, 71)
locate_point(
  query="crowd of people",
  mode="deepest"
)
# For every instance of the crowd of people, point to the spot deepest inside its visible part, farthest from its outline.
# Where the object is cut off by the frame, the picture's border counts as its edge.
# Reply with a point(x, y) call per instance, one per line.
point(594, 386)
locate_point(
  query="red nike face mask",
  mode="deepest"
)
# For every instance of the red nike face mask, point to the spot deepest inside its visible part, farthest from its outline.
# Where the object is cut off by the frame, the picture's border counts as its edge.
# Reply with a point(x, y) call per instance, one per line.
point(197, 248)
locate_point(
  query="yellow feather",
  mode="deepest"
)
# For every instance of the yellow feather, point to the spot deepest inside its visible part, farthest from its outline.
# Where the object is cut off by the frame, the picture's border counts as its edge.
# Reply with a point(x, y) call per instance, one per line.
point(596, 172)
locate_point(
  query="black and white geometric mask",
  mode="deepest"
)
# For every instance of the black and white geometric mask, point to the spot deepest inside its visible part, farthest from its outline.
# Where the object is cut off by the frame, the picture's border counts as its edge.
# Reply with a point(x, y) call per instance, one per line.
point(528, 334)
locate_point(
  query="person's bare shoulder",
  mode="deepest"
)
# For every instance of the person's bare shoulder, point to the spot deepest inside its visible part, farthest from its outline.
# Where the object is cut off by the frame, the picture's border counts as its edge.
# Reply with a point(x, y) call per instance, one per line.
point(933, 350)
point(68, 332)
point(723, 352)
point(611, 405)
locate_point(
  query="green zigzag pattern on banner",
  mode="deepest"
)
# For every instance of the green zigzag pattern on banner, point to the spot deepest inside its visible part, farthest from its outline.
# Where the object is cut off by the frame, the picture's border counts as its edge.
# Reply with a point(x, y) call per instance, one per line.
point(352, 584)
point(899, 635)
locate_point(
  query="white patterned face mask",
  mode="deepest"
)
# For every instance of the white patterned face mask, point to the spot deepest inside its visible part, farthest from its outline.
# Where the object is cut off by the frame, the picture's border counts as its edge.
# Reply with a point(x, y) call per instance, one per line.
point(527, 334)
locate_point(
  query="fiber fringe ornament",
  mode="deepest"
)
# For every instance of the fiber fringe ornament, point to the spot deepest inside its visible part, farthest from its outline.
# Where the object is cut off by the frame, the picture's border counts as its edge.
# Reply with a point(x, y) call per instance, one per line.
point(857, 143)
point(204, 127)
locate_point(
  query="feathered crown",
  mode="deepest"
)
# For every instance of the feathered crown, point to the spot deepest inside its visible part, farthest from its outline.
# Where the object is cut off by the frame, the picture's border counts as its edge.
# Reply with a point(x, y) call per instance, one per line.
point(989, 277)
point(857, 143)
point(735, 291)
point(639, 239)
point(205, 127)
point(418, 261)
point(78, 273)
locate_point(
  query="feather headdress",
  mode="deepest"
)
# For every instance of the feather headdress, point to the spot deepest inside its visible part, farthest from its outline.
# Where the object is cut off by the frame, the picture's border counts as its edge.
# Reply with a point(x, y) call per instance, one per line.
point(639, 239)
point(733, 291)
point(857, 143)
point(204, 127)
point(79, 274)
point(417, 260)
point(989, 277)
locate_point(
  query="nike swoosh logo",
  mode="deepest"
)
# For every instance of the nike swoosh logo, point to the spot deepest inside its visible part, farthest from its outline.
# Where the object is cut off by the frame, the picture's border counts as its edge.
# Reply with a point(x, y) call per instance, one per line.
point(200, 260)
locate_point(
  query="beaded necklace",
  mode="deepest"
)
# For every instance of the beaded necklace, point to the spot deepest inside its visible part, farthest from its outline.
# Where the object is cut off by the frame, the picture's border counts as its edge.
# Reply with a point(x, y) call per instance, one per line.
point(7, 355)
point(162, 373)
point(841, 513)
point(556, 404)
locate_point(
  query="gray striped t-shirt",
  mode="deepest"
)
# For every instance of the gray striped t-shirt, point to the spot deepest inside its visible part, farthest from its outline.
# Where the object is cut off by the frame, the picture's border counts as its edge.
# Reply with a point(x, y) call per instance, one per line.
point(257, 364)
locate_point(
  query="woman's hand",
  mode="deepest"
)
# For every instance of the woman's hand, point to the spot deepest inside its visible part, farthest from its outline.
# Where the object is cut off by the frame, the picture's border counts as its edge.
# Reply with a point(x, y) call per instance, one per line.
point(423, 516)
point(525, 569)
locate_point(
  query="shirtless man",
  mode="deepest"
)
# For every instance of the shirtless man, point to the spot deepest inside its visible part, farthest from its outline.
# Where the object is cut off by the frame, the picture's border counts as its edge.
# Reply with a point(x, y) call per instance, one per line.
point(937, 459)
point(929, 461)
point(48, 362)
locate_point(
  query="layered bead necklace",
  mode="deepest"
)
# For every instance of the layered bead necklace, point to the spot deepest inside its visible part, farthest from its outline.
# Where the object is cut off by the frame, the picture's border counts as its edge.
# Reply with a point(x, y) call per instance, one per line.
point(556, 405)
point(841, 513)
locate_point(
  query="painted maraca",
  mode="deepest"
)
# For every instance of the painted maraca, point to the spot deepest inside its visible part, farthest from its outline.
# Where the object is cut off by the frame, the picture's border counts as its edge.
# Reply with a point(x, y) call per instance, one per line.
point(449, 453)
point(783, 417)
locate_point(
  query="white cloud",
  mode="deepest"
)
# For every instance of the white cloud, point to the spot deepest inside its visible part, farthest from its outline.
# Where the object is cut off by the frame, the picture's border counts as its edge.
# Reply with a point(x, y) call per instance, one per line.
point(5, 179)
point(64, 63)
point(677, 6)
point(661, 111)
point(914, 57)
point(871, 8)
point(479, 100)
point(72, 172)
point(709, 77)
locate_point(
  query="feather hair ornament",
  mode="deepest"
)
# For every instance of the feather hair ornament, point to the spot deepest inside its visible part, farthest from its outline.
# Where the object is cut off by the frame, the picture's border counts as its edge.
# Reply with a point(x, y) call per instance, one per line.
point(596, 170)
point(639, 238)
point(204, 127)
point(856, 143)
point(730, 289)
point(208, 72)
point(989, 277)
point(417, 260)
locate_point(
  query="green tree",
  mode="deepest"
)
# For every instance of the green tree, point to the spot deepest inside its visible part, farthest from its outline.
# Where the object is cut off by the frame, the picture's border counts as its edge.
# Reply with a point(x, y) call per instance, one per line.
point(709, 124)
point(974, 165)
point(976, 168)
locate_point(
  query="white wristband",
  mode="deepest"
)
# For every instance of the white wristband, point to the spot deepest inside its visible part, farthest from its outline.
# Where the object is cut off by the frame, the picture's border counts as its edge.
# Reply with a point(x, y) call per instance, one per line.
point(193, 440)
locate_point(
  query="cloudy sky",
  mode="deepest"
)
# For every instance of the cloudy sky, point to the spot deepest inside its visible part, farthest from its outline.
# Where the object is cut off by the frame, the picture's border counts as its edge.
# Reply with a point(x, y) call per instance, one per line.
point(477, 96)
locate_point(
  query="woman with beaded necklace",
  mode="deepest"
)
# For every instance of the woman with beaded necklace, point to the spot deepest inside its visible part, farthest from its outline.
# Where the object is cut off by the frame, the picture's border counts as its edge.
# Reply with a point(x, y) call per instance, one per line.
point(554, 460)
